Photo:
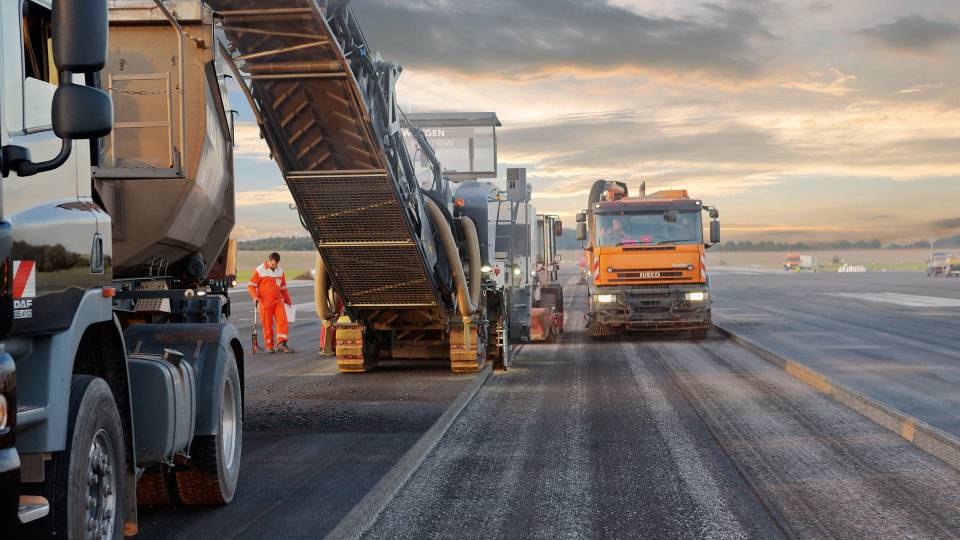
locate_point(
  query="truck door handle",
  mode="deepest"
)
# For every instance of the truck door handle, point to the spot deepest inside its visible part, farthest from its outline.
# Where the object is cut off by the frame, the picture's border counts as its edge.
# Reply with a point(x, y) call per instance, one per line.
point(96, 254)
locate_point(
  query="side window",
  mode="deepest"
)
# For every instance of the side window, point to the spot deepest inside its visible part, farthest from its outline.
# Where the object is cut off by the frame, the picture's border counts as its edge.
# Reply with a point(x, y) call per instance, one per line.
point(37, 44)
point(40, 74)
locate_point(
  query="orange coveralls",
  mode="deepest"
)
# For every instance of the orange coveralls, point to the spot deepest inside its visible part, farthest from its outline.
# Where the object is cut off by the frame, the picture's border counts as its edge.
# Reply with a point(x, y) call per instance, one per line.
point(269, 287)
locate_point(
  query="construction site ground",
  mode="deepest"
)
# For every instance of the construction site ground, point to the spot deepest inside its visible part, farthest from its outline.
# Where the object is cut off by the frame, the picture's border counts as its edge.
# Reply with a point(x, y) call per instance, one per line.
point(633, 436)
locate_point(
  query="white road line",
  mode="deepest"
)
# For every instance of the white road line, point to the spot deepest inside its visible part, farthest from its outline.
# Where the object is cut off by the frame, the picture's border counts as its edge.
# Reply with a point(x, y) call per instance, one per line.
point(906, 300)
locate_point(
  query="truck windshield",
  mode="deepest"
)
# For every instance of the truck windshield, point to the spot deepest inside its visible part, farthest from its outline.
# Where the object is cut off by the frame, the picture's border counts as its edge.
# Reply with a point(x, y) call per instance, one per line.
point(649, 228)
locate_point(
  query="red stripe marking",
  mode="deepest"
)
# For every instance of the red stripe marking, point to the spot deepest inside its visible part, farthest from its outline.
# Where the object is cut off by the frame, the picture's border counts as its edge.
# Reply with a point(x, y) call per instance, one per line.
point(24, 268)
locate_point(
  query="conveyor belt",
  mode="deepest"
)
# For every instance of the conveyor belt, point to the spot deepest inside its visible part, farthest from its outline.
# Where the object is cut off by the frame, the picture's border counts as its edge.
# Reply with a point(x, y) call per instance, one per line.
point(331, 137)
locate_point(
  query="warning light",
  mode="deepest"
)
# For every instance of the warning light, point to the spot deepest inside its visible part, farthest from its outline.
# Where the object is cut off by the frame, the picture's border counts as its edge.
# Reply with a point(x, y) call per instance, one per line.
point(459, 203)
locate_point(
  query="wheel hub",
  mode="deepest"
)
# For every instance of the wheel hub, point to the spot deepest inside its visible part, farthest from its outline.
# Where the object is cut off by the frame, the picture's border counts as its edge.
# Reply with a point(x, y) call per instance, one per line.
point(101, 488)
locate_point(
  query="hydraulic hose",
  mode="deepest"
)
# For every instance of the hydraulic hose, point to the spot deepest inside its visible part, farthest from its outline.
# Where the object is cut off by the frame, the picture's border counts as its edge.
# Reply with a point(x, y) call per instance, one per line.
point(473, 257)
point(467, 308)
point(321, 292)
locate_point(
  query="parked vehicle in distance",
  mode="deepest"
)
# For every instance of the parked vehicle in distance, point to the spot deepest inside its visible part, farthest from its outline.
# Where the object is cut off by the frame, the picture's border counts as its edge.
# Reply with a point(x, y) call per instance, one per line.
point(943, 264)
point(794, 262)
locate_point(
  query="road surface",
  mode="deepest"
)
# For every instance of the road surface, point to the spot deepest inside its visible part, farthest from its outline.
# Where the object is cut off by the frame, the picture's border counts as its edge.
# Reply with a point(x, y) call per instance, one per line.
point(315, 441)
point(892, 336)
point(646, 438)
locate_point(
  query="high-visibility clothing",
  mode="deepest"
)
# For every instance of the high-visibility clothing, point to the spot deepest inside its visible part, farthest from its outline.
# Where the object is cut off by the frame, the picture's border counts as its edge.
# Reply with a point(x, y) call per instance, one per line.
point(269, 287)
point(270, 314)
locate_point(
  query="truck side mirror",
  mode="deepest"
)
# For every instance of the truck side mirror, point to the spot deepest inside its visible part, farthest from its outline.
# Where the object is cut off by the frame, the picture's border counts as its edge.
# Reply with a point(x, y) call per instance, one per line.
point(714, 232)
point(80, 35)
point(558, 228)
point(581, 231)
point(81, 112)
point(80, 30)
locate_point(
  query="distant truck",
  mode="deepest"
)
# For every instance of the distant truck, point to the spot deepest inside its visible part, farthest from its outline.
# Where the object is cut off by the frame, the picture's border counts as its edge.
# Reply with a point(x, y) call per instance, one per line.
point(546, 314)
point(943, 264)
point(646, 260)
point(794, 262)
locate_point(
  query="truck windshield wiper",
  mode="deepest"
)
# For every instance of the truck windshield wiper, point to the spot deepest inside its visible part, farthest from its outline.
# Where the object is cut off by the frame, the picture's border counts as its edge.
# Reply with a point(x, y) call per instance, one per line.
point(622, 242)
point(676, 241)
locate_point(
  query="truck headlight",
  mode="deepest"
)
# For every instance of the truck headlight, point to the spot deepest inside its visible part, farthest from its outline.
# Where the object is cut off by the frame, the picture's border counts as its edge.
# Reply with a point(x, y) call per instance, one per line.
point(698, 296)
point(605, 298)
point(3, 412)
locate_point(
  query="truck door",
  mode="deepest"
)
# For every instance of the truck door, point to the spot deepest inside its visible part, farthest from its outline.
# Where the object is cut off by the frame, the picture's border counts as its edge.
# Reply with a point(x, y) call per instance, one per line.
point(53, 217)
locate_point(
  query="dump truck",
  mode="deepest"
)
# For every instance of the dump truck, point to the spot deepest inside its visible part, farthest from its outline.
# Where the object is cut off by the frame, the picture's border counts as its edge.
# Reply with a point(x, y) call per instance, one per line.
point(646, 254)
point(546, 316)
point(402, 244)
point(117, 267)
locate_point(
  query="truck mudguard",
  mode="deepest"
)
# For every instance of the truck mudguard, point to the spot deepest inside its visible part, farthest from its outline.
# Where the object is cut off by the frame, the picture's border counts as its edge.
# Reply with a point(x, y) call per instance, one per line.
point(205, 346)
point(44, 370)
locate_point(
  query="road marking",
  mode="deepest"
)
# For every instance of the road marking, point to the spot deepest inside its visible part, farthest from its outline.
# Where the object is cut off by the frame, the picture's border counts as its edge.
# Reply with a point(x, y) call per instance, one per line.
point(906, 300)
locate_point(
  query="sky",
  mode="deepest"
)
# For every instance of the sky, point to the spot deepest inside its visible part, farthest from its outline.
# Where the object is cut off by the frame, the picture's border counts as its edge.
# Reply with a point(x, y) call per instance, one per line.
point(802, 120)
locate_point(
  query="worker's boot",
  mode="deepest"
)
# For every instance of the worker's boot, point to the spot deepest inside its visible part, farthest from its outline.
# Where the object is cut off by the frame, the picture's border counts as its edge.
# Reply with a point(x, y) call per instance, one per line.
point(271, 350)
point(282, 347)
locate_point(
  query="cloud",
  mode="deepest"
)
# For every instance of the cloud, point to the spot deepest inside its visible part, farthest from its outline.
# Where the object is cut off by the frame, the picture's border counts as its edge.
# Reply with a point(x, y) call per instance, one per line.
point(248, 143)
point(529, 37)
point(279, 195)
point(950, 224)
point(914, 33)
point(921, 88)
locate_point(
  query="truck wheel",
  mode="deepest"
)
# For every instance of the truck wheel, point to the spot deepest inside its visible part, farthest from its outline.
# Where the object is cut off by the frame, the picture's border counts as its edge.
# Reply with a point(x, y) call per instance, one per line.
point(210, 477)
point(88, 501)
point(156, 488)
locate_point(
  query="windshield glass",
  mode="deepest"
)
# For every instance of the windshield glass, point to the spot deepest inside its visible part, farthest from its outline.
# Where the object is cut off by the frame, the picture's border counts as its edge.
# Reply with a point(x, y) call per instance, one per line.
point(649, 228)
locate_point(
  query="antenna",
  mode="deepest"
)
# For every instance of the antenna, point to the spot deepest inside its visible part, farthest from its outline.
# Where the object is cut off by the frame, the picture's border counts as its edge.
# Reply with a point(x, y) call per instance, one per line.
point(643, 189)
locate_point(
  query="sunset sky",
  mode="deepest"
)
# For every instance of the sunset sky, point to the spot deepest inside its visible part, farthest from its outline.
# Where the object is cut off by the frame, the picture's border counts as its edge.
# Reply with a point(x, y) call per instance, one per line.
point(800, 119)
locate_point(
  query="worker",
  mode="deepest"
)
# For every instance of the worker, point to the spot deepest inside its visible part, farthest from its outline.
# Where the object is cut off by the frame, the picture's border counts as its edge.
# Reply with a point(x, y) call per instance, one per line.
point(617, 234)
point(268, 288)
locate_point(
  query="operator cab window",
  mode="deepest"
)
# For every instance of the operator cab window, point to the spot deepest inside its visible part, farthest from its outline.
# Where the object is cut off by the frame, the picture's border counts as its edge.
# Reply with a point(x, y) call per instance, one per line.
point(40, 76)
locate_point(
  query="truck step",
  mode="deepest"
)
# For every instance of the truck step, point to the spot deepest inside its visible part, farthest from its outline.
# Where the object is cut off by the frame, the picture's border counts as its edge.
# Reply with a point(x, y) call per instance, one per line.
point(32, 507)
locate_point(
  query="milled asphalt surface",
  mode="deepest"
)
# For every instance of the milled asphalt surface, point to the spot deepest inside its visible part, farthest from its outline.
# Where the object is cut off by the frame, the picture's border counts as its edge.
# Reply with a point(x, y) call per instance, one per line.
point(645, 438)
point(893, 336)
point(315, 441)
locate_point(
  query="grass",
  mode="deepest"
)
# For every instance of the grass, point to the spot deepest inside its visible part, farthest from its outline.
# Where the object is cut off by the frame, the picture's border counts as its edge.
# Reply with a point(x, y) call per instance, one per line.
point(294, 263)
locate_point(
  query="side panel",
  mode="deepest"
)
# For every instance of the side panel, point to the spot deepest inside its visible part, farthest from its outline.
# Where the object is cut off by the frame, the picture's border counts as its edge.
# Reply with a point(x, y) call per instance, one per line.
point(44, 372)
point(205, 346)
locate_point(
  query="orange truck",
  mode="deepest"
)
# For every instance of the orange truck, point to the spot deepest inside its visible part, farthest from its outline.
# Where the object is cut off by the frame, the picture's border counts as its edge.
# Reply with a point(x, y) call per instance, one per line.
point(646, 260)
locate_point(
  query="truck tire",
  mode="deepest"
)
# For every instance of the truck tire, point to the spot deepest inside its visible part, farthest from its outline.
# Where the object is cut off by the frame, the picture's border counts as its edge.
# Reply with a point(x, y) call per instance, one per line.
point(89, 498)
point(156, 488)
point(209, 478)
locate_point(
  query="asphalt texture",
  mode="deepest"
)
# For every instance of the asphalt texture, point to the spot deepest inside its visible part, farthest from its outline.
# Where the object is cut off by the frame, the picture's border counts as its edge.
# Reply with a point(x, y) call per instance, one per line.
point(665, 438)
point(894, 337)
point(315, 440)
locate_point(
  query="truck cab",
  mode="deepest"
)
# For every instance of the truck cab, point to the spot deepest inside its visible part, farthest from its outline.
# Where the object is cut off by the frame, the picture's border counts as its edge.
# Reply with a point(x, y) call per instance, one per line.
point(647, 265)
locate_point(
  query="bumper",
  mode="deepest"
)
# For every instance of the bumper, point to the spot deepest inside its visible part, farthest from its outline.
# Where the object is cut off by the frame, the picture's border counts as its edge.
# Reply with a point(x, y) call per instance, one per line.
point(650, 309)
point(9, 488)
